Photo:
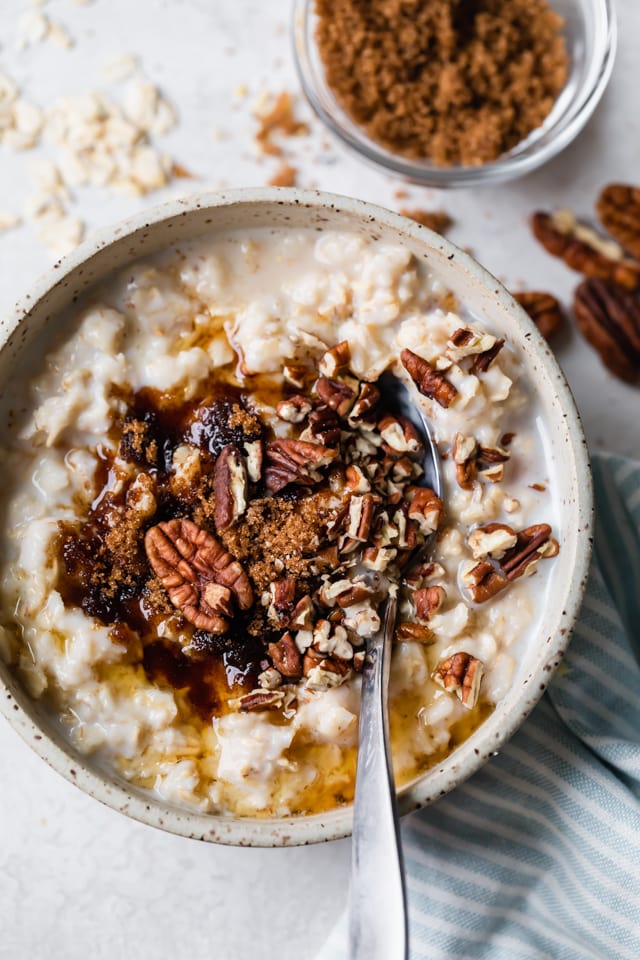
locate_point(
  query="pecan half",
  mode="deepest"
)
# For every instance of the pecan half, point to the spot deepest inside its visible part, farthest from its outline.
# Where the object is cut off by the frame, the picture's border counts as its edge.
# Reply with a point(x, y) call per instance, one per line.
point(229, 487)
point(618, 208)
point(582, 249)
point(430, 382)
point(609, 319)
point(187, 560)
point(295, 461)
point(286, 656)
point(492, 540)
point(461, 674)
point(544, 309)
point(532, 544)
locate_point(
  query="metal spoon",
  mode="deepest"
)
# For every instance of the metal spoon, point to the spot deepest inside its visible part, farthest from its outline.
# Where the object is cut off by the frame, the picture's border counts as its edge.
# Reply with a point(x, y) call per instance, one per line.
point(378, 928)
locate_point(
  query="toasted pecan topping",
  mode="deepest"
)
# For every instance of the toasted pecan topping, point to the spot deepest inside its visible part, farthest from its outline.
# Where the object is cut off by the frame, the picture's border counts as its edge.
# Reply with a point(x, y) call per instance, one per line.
point(429, 381)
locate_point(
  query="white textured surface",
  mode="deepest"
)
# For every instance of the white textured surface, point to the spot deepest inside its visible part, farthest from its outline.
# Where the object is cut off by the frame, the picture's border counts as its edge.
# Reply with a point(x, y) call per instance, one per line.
point(76, 879)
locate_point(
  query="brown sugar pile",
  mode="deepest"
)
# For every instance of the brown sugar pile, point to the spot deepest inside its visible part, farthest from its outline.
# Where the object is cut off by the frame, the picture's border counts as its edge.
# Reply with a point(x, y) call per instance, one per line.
point(455, 82)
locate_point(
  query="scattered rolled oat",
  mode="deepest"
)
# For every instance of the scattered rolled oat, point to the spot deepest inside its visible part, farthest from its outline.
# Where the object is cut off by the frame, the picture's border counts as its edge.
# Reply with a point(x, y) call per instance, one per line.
point(448, 81)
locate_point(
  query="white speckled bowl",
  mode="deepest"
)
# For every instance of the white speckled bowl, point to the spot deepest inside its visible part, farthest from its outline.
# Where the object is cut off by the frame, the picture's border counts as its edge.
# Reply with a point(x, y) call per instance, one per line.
point(23, 334)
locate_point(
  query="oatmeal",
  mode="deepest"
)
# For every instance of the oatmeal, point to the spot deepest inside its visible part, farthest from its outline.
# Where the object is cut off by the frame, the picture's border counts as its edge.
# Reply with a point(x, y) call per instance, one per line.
point(209, 499)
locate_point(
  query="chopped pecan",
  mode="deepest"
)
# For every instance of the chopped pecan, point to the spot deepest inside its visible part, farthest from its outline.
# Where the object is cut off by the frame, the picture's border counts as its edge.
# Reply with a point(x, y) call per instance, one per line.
point(609, 318)
point(461, 674)
point(254, 455)
point(303, 612)
point(583, 250)
point(378, 558)
point(283, 594)
point(270, 679)
point(335, 360)
point(186, 559)
point(464, 451)
point(286, 656)
point(294, 409)
point(323, 426)
point(492, 540)
point(483, 581)
point(483, 361)
point(362, 511)
point(490, 463)
point(337, 395)
point(618, 208)
point(425, 508)
point(532, 544)
point(428, 601)
point(295, 461)
point(429, 382)
point(356, 480)
point(544, 309)
point(219, 599)
point(466, 342)
point(399, 434)
point(295, 374)
point(363, 410)
point(260, 700)
point(229, 487)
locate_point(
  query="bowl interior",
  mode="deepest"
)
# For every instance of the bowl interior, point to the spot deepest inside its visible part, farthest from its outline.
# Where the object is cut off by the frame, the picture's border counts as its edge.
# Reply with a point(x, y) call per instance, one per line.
point(27, 334)
point(590, 35)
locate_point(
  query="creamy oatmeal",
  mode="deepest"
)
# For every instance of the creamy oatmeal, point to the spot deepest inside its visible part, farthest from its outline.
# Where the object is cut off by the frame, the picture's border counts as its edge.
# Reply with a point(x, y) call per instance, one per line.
point(209, 492)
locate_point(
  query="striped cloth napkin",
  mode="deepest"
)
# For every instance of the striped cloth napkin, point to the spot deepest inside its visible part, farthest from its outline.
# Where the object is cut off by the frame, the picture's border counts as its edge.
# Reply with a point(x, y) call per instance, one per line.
point(538, 855)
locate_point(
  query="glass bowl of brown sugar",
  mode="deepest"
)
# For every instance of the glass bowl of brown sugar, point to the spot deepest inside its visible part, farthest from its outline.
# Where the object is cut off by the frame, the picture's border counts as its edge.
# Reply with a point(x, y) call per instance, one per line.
point(448, 93)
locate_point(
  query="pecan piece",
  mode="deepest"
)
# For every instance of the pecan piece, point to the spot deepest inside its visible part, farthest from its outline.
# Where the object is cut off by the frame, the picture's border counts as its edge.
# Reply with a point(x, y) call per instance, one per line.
point(532, 544)
point(337, 395)
point(293, 409)
point(430, 382)
point(492, 540)
point(609, 319)
point(425, 508)
point(260, 700)
point(618, 208)
point(461, 674)
point(483, 361)
point(583, 250)
point(335, 359)
point(490, 463)
point(295, 461)
point(187, 560)
point(544, 309)
point(428, 601)
point(229, 487)
point(414, 631)
point(464, 451)
point(466, 342)
point(323, 426)
point(283, 593)
point(363, 409)
point(286, 656)
point(399, 434)
point(362, 512)
point(483, 581)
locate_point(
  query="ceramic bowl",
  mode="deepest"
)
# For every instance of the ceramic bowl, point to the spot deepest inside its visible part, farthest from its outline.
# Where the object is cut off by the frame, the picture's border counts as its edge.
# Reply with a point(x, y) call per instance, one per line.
point(23, 338)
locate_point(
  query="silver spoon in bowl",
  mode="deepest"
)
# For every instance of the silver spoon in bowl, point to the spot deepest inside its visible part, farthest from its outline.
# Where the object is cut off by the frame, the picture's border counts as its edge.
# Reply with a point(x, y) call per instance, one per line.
point(378, 927)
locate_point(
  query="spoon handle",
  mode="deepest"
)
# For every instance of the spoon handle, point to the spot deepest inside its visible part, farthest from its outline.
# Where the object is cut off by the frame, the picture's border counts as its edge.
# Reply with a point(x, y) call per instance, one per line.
point(378, 920)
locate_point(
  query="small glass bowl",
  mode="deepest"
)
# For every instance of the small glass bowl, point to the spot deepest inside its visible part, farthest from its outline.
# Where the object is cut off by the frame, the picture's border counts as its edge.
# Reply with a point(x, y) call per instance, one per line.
point(590, 33)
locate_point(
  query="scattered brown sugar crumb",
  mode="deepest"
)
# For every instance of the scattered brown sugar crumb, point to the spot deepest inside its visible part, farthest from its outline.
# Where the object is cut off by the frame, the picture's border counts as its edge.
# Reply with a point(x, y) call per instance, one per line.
point(540, 487)
point(285, 176)
point(438, 220)
point(137, 444)
point(449, 81)
point(278, 118)
point(276, 538)
point(243, 420)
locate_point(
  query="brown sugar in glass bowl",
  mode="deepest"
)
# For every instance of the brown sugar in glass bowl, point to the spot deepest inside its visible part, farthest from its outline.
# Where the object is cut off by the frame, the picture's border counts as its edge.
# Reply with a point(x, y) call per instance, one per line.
point(453, 93)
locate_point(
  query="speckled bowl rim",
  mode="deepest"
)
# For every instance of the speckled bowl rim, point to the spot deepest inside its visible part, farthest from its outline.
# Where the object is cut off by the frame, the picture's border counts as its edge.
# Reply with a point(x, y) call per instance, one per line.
point(22, 712)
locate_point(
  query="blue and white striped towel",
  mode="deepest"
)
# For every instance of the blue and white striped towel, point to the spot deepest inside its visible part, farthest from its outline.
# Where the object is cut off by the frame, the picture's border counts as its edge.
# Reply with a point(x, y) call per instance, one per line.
point(538, 855)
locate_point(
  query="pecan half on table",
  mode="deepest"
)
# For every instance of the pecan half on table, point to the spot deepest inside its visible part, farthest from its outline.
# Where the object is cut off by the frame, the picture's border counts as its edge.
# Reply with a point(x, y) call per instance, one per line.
point(618, 208)
point(583, 250)
point(609, 319)
point(544, 309)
